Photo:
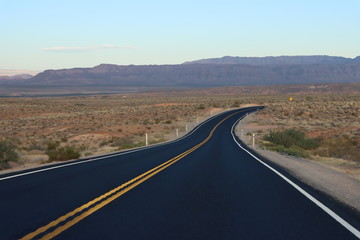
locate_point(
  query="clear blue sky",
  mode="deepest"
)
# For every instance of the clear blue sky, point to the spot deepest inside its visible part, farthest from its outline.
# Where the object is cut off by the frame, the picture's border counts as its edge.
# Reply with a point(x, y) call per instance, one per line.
point(39, 34)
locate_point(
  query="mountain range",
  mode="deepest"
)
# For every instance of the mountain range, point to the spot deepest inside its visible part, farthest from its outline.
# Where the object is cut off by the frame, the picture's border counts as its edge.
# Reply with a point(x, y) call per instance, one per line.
point(16, 77)
point(281, 60)
point(225, 71)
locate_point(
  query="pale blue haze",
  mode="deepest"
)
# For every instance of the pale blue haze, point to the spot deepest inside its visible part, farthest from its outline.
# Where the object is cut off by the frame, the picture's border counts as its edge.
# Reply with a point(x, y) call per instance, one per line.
point(38, 34)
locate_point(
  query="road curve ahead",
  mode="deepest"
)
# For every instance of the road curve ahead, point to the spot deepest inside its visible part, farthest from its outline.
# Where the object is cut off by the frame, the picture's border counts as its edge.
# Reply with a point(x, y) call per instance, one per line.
point(203, 186)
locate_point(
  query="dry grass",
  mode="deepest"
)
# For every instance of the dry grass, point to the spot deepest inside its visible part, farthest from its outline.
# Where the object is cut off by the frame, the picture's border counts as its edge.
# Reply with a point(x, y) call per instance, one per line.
point(334, 119)
point(101, 124)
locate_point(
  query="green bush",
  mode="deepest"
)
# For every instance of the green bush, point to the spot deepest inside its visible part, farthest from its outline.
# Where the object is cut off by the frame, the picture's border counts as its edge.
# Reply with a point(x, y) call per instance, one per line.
point(292, 142)
point(292, 137)
point(7, 154)
point(58, 153)
point(309, 143)
point(293, 151)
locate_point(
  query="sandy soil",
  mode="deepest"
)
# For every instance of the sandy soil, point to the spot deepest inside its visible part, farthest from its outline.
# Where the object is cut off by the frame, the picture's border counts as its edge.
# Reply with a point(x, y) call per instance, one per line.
point(337, 184)
point(37, 158)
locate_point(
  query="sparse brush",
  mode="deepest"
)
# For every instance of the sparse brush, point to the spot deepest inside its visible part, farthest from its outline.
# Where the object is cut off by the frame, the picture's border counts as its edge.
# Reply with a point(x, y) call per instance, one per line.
point(292, 142)
point(8, 154)
point(340, 147)
point(58, 153)
point(36, 120)
point(293, 151)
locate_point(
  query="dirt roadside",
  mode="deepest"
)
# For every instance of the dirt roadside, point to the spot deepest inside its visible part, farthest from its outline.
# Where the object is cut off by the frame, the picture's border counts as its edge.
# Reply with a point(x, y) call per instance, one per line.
point(338, 185)
point(40, 160)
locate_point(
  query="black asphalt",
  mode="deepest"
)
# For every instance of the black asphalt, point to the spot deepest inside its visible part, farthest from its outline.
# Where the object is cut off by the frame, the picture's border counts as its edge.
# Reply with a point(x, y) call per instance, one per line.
point(216, 192)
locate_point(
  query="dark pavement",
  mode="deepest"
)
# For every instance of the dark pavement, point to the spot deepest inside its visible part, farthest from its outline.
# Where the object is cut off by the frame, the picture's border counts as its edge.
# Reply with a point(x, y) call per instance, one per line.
point(216, 191)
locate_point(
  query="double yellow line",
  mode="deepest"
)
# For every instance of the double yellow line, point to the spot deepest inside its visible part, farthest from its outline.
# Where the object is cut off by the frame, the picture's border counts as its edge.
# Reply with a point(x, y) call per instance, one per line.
point(101, 201)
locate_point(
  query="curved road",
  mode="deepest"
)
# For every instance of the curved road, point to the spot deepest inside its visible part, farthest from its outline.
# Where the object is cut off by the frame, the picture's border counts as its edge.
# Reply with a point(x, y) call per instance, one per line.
point(203, 186)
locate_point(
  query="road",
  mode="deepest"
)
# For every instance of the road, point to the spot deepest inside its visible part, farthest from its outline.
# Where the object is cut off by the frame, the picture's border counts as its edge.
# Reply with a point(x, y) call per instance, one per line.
point(202, 186)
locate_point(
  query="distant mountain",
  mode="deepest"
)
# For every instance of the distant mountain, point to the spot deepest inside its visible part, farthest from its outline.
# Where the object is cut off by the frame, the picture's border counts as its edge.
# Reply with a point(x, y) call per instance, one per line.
point(195, 75)
point(13, 72)
point(281, 60)
point(215, 73)
point(16, 77)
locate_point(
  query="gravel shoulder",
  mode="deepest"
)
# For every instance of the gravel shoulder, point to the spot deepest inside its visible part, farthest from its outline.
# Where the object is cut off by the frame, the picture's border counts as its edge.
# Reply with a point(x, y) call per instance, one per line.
point(336, 184)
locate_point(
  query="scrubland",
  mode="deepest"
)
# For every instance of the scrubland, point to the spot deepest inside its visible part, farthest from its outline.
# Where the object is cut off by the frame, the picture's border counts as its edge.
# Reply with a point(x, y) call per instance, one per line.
point(37, 128)
point(331, 123)
point(92, 125)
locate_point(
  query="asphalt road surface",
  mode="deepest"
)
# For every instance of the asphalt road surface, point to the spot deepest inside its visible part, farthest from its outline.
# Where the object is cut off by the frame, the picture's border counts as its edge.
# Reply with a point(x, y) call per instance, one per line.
point(202, 186)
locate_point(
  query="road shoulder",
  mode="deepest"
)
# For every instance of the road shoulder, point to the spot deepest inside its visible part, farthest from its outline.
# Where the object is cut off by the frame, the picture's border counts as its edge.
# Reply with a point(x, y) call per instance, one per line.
point(333, 183)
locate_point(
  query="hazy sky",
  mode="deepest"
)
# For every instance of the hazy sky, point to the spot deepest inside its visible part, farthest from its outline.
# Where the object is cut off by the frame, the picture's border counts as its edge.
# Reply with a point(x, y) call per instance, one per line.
point(53, 34)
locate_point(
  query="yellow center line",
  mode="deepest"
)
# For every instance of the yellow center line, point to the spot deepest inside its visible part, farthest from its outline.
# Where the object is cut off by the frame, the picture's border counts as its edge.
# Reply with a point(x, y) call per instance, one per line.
point(79, 209)
point(116, 192)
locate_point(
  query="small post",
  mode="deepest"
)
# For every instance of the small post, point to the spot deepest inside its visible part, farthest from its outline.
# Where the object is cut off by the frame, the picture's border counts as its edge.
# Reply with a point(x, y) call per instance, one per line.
point(242, 132)
point(197, 119)
point(253, 140)
point(211, 114)
point(186, 128)
point(177, 132)
point(146, 139)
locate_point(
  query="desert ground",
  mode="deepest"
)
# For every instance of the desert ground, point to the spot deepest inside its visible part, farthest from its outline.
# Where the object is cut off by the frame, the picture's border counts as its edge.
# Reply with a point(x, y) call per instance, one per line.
point(99, 124)
point(332, 119)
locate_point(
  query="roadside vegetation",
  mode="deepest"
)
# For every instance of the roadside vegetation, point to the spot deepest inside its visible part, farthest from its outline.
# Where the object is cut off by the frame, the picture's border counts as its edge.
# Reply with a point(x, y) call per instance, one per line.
point(290, 141)
point(56, 129)
point(330, 124)
point(328, 127)
point(56, 152)
point(8, 154)
point(63, 128)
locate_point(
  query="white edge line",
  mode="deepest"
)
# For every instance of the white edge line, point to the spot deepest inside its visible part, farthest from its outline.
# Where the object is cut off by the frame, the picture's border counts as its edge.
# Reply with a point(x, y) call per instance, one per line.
point(112, 154)
point(297, 187)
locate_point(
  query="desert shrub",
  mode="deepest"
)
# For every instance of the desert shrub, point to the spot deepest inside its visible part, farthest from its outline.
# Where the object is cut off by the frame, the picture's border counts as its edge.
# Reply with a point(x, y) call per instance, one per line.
point(293, 151)
point(340, 147)
point(201, 106)
point(292, 137)
point(121, 142)
point(88, 154)
point(103, 143)
point(58, 153)
point(7, 154)
point(309, 143)
point(36, 146)
point(236, 104)
point(299, 113)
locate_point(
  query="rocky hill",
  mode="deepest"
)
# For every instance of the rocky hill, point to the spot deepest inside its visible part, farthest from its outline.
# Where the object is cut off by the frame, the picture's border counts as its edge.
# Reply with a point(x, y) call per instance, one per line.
point(16, 77)
point(261, 72)
point(198, 75)
point(281, 60)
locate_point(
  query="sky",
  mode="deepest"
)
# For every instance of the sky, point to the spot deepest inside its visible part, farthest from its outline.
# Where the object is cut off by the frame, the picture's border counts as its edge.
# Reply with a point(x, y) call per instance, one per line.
point(42, 34)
